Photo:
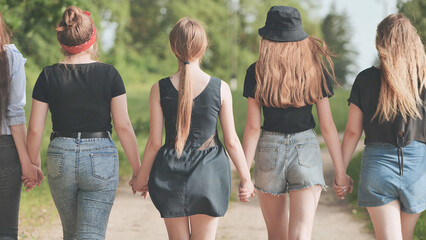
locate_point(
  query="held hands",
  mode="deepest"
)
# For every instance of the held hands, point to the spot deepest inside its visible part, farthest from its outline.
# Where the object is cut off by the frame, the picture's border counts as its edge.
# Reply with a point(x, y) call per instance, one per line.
point(31, 176)
point(139, 183)
point(342, 185)
point(246, 190)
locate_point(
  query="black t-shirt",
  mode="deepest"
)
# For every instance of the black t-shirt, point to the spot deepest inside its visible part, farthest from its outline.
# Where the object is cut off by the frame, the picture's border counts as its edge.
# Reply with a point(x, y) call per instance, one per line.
point(365, 94)
point(79, 95)
point(285, 120)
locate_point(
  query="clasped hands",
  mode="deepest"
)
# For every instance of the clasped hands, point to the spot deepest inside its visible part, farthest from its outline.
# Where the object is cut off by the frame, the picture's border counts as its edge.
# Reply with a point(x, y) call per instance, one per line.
point(139, 183)
point(31, 176)
point(342, 185)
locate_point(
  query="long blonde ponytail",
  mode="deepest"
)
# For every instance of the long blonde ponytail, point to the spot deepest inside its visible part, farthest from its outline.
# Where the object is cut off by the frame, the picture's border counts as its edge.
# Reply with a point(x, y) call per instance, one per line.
point(188, 41)
point(184, 110)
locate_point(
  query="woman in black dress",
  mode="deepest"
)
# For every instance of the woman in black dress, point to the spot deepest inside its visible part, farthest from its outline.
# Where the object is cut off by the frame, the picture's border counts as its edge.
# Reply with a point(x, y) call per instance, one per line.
point(189, 176)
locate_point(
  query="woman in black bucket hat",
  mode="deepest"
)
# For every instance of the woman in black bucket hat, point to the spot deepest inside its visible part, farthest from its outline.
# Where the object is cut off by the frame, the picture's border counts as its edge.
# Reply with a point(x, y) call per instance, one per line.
point(287, 79)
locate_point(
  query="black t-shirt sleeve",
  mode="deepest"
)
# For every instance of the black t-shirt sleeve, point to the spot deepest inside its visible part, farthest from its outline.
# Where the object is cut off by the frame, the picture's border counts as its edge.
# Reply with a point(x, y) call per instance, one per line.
point(250, 82)
point(355, 96)
point(329, 82)
point(117, 87)
point(40, 88)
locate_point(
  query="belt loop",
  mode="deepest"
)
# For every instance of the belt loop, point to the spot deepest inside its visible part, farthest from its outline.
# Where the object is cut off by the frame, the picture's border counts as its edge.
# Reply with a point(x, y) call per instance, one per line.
point(52, 136)
point(79, 137)
point(109, 135)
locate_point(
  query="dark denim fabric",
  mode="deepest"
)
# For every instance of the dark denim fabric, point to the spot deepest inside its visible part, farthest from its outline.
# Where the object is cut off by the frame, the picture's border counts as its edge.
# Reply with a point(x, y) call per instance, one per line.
point(10, 188)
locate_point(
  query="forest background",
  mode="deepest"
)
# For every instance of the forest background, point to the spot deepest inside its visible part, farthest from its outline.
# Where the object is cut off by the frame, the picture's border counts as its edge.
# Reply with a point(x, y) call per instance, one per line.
point(133, 36)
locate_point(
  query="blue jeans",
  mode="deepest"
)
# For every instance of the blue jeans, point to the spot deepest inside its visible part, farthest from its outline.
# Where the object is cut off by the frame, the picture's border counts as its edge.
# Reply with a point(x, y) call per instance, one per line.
point(10, 188)
point(83, 179)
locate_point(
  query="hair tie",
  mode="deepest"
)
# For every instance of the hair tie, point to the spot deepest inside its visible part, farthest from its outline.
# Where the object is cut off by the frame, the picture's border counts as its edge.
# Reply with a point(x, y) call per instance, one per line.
point(186, 62)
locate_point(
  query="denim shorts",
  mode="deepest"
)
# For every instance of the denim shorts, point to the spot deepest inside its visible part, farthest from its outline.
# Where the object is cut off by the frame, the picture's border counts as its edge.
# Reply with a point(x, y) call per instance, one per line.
point(381, 182)
point(286, 162)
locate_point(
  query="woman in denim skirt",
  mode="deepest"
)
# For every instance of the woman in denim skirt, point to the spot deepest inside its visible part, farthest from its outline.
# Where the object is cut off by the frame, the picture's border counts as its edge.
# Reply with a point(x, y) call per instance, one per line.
point(388, 103)
point(287, 79)
point(82, 159)
point(14, 158)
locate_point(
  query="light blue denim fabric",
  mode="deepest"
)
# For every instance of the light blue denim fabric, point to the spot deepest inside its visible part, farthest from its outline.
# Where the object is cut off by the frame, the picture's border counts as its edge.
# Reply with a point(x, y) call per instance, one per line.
point(286, 162)
point(380, 182)
point(83, 179)
point(15, 110)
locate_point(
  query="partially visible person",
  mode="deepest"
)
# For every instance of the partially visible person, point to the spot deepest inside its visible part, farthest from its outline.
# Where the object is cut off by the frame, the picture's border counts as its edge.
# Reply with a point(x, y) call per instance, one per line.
point(289, 77)
point(388, 103)
point(189, 177)
point(14, 158)
point(82, 159)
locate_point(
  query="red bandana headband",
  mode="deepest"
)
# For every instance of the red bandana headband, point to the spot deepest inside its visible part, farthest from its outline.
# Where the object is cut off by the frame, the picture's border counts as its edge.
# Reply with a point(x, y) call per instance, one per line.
point(84, 46)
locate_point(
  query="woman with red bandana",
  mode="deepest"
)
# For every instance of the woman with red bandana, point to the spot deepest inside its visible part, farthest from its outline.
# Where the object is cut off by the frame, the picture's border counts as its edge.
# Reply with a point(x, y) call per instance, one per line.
point(82, 159)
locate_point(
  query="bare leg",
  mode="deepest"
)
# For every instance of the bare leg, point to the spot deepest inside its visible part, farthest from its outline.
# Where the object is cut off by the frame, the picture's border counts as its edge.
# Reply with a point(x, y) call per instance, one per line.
point(386, 221)
point(408, 223)
point(303, 205)
point(203, 227)
point(276, 214)
point(177, 228)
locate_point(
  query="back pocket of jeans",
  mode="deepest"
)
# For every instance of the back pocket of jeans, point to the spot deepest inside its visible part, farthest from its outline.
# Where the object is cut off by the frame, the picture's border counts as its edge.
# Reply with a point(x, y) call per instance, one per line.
point(55, 164)
point(308, 154)
point(266, 158)
point(104, 165)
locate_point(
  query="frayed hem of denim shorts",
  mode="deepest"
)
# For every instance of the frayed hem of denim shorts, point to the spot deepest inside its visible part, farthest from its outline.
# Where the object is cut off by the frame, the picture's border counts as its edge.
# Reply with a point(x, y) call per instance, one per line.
point(271, 193)
point(324, 187)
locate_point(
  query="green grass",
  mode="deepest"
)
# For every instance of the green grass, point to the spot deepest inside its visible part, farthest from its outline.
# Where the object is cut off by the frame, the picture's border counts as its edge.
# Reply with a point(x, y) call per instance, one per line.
point(354, 170)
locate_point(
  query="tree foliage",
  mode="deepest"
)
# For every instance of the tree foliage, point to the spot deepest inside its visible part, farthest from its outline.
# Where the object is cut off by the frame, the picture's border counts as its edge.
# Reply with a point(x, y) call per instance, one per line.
point(337, 34)
point(415, 10)
point(141, 46)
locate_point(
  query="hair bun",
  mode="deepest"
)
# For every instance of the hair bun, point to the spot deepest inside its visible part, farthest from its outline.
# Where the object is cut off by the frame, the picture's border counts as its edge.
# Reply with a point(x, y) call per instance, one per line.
point(72, 17)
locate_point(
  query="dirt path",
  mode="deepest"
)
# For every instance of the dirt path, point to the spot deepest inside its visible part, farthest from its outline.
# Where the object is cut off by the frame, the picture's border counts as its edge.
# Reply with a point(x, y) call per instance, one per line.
point(135, 218)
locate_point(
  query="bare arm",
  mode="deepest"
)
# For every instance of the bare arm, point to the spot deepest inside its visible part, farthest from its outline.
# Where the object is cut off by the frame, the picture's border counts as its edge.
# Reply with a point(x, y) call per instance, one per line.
point(331, 138)
point(232, 143)
point(30, 171)
point(35, 130)
point(252, 130)
point(125, 131)
point(353, 133)
point(154, 140)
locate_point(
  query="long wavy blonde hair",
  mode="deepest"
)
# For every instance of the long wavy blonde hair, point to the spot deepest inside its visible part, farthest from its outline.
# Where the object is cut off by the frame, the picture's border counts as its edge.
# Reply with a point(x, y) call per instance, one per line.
point(402, 66)
point(188, 41)
point(291, 74)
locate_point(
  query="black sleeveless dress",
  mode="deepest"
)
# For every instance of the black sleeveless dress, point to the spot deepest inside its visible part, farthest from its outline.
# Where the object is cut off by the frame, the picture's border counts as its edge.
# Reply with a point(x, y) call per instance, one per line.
point(199, 182)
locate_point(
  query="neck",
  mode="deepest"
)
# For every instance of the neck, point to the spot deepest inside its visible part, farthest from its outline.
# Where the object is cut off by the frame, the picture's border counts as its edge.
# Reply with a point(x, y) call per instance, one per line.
point(83, 57)
point(193, 65)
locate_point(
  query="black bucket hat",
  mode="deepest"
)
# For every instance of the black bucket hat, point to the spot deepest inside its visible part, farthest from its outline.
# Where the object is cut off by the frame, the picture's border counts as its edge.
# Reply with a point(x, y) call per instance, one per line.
point(283, 24)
